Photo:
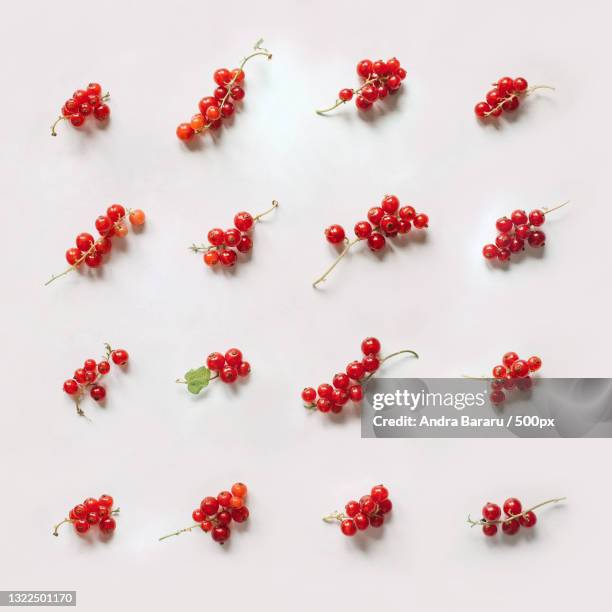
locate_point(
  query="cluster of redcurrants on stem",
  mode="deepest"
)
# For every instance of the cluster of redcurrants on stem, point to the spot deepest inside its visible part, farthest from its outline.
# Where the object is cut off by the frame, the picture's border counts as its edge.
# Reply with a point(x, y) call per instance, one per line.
point(369, 511)
point(388, 219)
point(87, 378)
point(514, 232)
point(216, 513)
point(222, 243)
point(226, 368)
point(380, 79)
point(347, 385)
point(91, 512)
point(84, 102)
point(213, 109)
point(515, 516)
point(505, 96)
point(90, 250)
point(515, 373)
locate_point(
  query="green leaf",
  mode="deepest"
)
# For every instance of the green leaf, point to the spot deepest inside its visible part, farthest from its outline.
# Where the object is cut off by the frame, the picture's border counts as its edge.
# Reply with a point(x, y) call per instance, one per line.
point(197, 379)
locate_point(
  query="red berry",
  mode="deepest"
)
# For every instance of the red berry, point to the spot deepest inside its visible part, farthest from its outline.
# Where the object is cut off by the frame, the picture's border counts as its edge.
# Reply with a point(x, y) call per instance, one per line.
point(528, 519)
point(499, 371)
point(493, 98)
point(407, 213)
point(81, 526)
point(84, 241)
point(240, 514)
point(339, 397)
point(370, 346)
point(362, 103)
point(376, 241)
point(227, 257)
point(116, 212)
point(102, 112)
point(107, 524)
point(228, 374)
point(371, 363)
point(363, 229)
point(355, 393)
point(394, 83)
point(211, 258)
point(184, 131)
point(489, 530)
point(361, 521)
point(231, 237)
point(364, 68)
point(215, 236)
point(352, 508)
point(98, 393)
point(505, 85)
point(209, 506)
point(215, 361)
point(389, 224)
point(243, 221)
point(524, 384)
point(385, 505)
point(324, 404)
point(375, 214)
point(497, 397)
point(220, 533)
point(510, 527)
point(341, 381)
point(509, 358)
point(120, 356)
point(519, 369)
point(73, 255)
point(503, 225)
point(520, 84)
point(222, 76)
point(537, 238)
point(355, 370)
point(393, 65)
point(379, 493)
point(335, 234)
point(71, 386)
point(535, 363)
point(490, 251)
point(80, 375)
point(244, 369)
point(512, 506)
point(421, 221)
point(345, 94)
point(481, 109)
point(325, 391)
point(245, 244)
point(519, 217)
point(369, 93)
point(376, 520)
point(503, 240)
point(537, 217)
point(237, 93)
point(367, 504)
point(233, 357)
point(206, 526)
point(517, 245)
point(309, 395)
point(90, 365)
point(491, 512)
point(348, 527)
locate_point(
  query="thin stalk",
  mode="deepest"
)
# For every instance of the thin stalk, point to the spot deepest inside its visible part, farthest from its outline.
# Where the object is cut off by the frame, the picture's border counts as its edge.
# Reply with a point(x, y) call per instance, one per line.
point(509, 97)
point(357, 91)
point(335, 516)
point(402, 352)
point(256, 218)
point(347, 245)
point(176, 533)
point(513, 516)
point(549, 210)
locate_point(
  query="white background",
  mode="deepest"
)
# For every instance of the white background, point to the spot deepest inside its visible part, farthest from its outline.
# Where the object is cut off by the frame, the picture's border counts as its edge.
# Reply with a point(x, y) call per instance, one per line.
point(156, 449)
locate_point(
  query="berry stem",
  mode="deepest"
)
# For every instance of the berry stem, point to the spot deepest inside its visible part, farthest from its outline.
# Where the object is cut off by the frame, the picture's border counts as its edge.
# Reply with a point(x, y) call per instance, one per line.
point(402, 352)
point(176, 533)
point(483, 521)
point(549, 210)
point(263, 214)
point(516, 95)
point(259, 50)
point(182, 381)
point(335, 516)
point(347, 245)
point(339, 102)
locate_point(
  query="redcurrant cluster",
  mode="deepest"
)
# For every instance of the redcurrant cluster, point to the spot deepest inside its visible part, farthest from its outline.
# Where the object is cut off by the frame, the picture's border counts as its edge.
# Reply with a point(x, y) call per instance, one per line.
point(380, 79)
point(515, 373)
point(222, 243)
point(348, 385)
point(216, 513)
point(505, 96)
point(515, 231)
point(369, 511)
point(92, 512)
point(515, 517)
point(89, 249)
point(84, 102)
point(88, 377)
point(226, 368)
point(219, 106)
point(388, 219)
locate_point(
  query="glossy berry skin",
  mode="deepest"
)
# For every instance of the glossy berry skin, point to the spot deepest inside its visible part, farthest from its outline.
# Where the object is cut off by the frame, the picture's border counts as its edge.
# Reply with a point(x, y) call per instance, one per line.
point(537, 239)
point(309, 395)
point(77, 120)
point(243, 221)
point(341, 381)
point(325, 391)
point(339, 398)
point(362, 103)
point(511, 527)
point(228, 374)
point(228, 258)
point(245, 244)
point(361, 521)
point(102, 112)
point(324, 404)
point(499, 371)
point(107, 524)
point(345, 95)
point(509, 358)
point(237, 93)
point(490, 251)
point(220, 533)
point(503, 241)
point(537, 217)
point(503, 225)
point(211, 258)
point(352, 508)
point(115, 212)
point(73, 255)
point(481, 109)
point(120, 357)
point(185, 132)
point(244, 369)
point(385, 506)
point(376, 520)
point(512, 506)
point(368, 505)
point(335, 234)
point(348, 527)
point(489, 530)
point(528, 519)
point(375, 214)
point(98, 393)
point(390, 204)
point(364, 68)
point(81, 526)
point(71, 386)
point(84, 242)
point(231, 237)
point(369, 93)
point(379, 493)
point(363, 229)
point(215, 361)
point(421, 221)
point(519, 368)
point(233, 357)
point(240, 514)
point(370, 346)
point(491, 512)
point(389, 224)
point(371, 363)
point(239, 489)
point(137, 217)
point(519, 217)
point(215, 236)
point(209, 506)
point(376, 241)
point(534, 363)
point(520, 84)
point(355, 370)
